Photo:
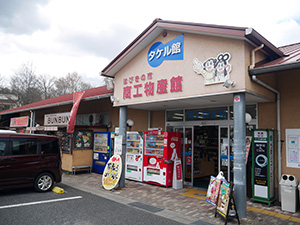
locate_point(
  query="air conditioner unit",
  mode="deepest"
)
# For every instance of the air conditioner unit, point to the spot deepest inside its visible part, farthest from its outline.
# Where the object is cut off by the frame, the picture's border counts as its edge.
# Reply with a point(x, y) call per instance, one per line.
point(94, 119)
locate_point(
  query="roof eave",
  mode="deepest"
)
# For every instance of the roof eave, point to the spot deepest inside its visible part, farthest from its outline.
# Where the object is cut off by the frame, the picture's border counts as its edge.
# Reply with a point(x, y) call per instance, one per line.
point(274, 68)
point(254, 37)
point(55, 104)
point(158, 26)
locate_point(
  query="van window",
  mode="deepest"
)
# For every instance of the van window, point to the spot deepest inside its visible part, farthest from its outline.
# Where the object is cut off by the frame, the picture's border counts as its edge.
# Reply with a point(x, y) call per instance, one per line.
point(24, 147)
point(3, 144)
point(49, 146)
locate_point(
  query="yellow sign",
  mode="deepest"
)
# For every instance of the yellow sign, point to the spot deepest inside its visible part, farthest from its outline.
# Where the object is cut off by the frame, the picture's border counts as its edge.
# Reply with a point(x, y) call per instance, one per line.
point(112, 172)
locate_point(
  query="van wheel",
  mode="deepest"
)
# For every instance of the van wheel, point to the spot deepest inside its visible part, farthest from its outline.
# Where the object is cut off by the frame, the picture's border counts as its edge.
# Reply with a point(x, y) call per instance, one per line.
point(44, 182)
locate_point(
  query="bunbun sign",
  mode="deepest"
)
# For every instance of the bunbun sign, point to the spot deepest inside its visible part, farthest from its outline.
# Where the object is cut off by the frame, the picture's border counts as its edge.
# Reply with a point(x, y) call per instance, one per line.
point(57, 119)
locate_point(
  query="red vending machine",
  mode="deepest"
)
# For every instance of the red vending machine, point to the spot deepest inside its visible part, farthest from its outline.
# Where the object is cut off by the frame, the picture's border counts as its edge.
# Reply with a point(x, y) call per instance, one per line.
point(160, 149)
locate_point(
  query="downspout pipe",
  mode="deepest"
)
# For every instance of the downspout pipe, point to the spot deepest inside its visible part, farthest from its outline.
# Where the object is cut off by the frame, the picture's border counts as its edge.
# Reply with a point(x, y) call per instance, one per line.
point(254, 78)
point(253, 55)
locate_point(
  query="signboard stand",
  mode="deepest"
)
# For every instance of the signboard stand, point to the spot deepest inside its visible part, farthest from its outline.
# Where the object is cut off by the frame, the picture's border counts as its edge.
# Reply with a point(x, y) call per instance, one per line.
point(226, 204)
point(263, 181)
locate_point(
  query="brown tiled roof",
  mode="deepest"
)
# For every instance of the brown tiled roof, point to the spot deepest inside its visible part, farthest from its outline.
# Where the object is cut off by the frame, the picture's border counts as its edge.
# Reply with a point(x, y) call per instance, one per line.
point(290, 60)
point(91, 94)
point(291, 55)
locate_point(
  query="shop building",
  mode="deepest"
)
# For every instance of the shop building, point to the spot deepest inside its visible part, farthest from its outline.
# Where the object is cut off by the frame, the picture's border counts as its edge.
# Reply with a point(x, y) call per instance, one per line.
point(215, 85)
point(51, 116)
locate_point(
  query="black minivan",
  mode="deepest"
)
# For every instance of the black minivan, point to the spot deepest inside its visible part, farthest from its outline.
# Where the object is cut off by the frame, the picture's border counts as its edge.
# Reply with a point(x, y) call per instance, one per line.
point(29, 160)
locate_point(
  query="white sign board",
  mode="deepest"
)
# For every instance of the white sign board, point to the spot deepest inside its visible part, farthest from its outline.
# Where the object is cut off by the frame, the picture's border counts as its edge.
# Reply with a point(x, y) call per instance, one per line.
point(292, 137)
point(57, 119)
point(118, 145)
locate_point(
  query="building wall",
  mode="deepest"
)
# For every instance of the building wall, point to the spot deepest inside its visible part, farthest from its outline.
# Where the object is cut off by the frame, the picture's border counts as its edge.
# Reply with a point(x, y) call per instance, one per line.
point(158, 119)
point(253, 86)
point(288, 85)
point(195, 46)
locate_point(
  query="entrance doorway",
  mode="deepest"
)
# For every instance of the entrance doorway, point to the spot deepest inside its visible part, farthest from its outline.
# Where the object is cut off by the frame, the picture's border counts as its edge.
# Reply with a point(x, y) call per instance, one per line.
point(205, 151)
point(206, 154)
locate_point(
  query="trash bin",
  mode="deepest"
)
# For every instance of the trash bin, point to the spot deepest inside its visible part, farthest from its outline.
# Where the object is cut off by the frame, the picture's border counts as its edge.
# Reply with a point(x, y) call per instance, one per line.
point(289, 193)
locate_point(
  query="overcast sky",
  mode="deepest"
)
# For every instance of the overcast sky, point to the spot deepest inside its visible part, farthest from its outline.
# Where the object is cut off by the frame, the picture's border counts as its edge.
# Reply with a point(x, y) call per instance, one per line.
point(63, 36)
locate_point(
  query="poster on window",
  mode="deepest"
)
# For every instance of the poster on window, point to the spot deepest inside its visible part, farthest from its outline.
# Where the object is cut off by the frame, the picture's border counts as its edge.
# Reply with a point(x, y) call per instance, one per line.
point(83, 139)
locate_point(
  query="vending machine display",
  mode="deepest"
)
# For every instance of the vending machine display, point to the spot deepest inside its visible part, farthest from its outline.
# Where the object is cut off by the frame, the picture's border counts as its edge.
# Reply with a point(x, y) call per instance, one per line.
point(160, 149)
point(103, 149)
point(134, 156)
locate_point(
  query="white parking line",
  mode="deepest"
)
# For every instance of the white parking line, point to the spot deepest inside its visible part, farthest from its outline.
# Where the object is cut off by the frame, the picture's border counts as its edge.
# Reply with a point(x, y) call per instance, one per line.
point(39, 202)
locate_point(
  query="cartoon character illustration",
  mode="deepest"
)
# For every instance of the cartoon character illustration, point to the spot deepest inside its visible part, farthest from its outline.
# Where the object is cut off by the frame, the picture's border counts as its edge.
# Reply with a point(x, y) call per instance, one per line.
point(222, 67)
point(214, 70)
point(207, 69)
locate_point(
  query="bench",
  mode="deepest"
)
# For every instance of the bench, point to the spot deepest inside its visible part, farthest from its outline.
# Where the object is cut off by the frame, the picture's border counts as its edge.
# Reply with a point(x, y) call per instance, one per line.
point(84, 167)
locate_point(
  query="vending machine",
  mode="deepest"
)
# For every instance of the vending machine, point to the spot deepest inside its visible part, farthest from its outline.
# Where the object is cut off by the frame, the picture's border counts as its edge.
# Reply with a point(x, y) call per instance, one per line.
point(134, 156)
point(160, 150)
point(263, 174)
point(103, 149)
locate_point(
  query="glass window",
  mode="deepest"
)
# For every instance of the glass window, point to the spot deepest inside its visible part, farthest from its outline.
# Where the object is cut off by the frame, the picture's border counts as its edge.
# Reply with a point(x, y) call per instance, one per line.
point(251, 109)
point(220, 113)
point(3, 144)
point(49, 146)
point(24, 147)
point(176, 115)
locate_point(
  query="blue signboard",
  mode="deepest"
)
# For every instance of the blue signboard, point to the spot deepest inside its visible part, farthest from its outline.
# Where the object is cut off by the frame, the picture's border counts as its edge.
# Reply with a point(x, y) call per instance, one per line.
point(172, 50)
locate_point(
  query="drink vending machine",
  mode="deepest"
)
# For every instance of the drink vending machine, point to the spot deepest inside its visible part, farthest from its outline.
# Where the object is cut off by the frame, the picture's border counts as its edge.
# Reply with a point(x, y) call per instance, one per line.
point(103, 149)
point(160, 149)
point(134, 156)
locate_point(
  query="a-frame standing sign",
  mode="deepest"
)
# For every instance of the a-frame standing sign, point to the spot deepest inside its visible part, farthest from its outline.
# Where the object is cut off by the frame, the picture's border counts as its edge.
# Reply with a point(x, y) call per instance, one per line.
point(226, 203)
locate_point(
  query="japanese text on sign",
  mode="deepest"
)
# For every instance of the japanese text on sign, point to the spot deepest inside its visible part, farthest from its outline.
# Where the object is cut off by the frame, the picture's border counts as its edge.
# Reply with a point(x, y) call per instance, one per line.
point(172, 50)
point(139, 86)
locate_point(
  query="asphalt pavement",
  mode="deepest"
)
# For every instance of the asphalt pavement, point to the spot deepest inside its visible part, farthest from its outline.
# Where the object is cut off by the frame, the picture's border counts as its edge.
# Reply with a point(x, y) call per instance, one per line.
point(186, 206)
point(27, 207)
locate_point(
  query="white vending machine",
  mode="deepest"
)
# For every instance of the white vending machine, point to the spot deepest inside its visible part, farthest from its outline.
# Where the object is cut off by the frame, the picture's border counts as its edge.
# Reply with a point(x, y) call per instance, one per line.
point(134, 156)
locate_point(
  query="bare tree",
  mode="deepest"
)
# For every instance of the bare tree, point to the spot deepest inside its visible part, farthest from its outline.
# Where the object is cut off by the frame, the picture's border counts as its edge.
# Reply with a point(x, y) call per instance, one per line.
point(47, 86)
point(69, 84)
point(25, 84)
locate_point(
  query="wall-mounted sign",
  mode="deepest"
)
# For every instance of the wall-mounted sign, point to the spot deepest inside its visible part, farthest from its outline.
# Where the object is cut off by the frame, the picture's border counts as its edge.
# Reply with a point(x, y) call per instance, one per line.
point(19, 121)
point(292, 148)
point(57, 119)
point(214, 70)
point(143, 85)
point(172, 50)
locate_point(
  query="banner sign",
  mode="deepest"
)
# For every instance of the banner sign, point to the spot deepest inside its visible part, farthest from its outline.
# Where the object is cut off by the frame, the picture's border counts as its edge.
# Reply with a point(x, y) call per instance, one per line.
point(57, 119)
point(172, 50)
point(19, 121)
point(71, 123)
point(112, 172)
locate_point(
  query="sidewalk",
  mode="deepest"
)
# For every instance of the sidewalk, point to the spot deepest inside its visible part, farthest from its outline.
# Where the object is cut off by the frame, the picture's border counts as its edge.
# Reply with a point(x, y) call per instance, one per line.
point(186, 205)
